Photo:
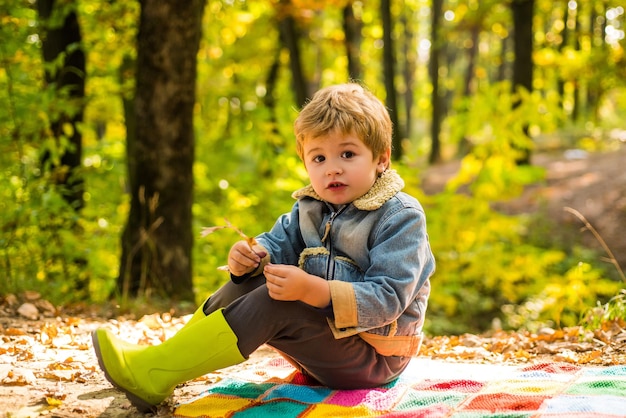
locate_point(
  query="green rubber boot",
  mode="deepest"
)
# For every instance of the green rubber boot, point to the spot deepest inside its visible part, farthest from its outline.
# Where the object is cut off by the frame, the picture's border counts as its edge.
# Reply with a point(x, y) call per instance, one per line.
point(149, 374)
point(197, 315)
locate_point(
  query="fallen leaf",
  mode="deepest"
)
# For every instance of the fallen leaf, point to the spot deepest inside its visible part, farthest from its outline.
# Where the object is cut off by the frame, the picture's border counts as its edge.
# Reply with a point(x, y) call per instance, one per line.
point(152, 321)
point(63, 365)
point(567, 356)
point(589, 356)
point(72, 321)
point(48, 333)
point(19, 378)
point(54, 401)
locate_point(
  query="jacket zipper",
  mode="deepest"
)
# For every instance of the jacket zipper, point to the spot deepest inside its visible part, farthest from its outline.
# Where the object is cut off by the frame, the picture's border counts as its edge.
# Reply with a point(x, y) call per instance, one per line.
point(330, 265)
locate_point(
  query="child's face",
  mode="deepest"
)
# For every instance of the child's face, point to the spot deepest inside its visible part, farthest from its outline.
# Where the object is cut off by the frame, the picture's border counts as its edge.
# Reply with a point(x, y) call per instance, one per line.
point(341, 167)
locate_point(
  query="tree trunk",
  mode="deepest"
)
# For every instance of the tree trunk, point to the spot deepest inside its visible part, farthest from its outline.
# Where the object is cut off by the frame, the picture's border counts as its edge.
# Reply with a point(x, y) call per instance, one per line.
point(289, 38)
point(598, 42)
point(577, 81)
point(471, 60)
point(67, 78)
point(408, 71)
point(389, 74)
point(352, 30)
point(269, 100)
point(157, 240)
point(433, 69)
point(523, 11)
point(564, 43)
point(464, 144)
point(503, 70)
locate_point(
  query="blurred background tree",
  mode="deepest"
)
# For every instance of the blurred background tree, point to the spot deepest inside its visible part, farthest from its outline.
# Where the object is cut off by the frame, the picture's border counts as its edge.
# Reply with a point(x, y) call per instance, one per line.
point(186, 119)
point(157, 240)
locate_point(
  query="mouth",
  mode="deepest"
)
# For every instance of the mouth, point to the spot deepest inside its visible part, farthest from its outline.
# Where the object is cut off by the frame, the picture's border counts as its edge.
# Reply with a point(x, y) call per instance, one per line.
point(335, 185)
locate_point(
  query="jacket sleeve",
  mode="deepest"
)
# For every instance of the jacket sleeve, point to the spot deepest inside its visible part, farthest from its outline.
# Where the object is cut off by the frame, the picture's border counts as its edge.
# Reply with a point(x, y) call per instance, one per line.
point(401, 263)
point(284, 241)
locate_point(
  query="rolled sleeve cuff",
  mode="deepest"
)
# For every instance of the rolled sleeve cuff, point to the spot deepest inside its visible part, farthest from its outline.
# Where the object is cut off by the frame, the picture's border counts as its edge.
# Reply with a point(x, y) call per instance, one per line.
point(344, 304)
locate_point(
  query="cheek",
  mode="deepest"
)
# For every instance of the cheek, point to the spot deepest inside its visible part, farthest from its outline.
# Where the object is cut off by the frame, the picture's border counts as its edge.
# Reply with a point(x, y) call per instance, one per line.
point(310, 170)
point(314, 174)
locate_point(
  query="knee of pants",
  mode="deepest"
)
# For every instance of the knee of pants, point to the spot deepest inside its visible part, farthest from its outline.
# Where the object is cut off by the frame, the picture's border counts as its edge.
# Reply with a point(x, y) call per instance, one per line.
point(257, 308)
point(229, 292)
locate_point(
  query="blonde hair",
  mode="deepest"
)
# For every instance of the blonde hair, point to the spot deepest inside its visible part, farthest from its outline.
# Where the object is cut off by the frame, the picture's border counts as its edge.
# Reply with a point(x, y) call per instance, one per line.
point(345, 108)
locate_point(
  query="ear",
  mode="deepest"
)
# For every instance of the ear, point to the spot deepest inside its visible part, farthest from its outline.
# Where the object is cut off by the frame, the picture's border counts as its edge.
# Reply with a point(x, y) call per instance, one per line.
point(384, 160)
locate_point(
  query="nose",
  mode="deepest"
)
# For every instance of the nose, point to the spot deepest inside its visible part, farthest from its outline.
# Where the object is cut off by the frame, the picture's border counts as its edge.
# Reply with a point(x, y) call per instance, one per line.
point(334, 170)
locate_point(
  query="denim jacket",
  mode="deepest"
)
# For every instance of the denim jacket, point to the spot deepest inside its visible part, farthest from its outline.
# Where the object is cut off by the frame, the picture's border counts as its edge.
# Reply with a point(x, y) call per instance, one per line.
point(375, 254)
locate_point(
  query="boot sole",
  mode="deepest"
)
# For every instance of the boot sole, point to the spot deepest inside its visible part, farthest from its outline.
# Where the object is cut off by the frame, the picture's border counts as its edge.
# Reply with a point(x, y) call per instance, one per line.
point(135, 400)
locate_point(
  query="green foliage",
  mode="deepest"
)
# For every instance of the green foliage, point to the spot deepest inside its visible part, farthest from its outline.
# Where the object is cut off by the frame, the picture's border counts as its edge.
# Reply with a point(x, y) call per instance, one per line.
point(499, 122)
point(40, 240)
point(491, 267)
point(105, 213)
point(564, 299)
point(612, 311)
point(482, 263)
point(249, 183)
point(490, 274)
point(39, 233)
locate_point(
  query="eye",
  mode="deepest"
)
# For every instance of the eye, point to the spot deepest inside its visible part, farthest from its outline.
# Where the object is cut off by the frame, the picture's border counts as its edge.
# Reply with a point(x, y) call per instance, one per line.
point(347, 154)
point(318, 159)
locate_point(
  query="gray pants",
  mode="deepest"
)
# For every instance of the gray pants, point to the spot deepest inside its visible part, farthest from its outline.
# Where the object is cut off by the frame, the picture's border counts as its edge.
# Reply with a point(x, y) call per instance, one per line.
point(301, 334)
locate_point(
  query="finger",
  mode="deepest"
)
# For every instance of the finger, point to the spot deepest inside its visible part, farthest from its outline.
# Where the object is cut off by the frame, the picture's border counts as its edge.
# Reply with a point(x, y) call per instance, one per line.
point(271, 280)
point(274, 269)
point(275, 282)
point(252, 255)
point(247, 258)
point(274, 291)
point(243, 248)
point(259, 251)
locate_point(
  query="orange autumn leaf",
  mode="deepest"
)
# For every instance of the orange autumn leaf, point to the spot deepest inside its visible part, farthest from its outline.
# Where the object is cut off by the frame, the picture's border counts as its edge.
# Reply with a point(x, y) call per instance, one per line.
point(589, 356)
point(14, 332)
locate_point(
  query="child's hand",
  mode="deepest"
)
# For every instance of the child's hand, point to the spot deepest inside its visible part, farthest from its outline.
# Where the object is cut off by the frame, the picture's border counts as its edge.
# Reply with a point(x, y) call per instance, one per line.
point(285, 282)
point(289, 283)
point(243, 259)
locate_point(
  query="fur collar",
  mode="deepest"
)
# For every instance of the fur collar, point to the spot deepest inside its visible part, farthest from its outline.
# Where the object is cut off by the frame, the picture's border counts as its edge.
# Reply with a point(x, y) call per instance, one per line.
point(386, 186)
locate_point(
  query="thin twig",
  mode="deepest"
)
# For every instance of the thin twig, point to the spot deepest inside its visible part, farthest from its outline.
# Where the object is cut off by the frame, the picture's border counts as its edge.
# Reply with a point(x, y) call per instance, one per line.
point(595, 233)
point(209, 230)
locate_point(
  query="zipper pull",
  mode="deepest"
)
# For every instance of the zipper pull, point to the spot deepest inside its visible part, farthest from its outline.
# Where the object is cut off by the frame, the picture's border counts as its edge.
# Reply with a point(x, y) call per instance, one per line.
point(329, 223)
point(327, 229)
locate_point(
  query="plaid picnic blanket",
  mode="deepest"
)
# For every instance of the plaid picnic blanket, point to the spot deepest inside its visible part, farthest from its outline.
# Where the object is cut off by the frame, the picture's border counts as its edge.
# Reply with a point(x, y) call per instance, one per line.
point(428, 388)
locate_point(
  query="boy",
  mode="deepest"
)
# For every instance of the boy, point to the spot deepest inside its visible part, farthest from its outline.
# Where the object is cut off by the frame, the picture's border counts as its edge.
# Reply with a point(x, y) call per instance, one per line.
point(339, 286)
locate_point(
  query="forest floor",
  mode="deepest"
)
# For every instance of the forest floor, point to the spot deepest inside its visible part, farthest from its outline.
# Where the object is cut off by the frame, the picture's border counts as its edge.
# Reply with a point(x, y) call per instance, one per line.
point(47, 365)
